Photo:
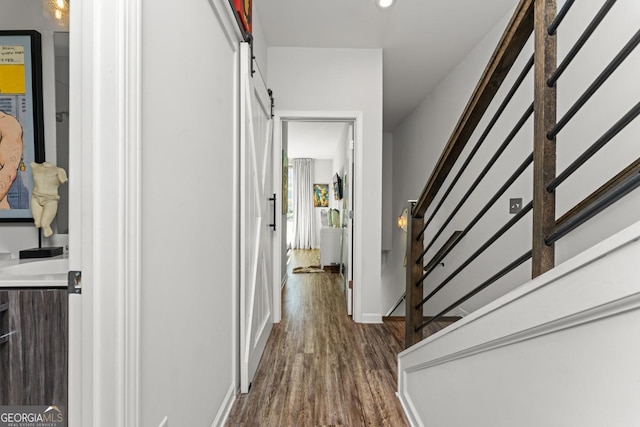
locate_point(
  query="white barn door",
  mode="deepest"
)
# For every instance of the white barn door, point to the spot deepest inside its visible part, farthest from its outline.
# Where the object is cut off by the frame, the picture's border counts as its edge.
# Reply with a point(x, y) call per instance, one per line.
point(256, 216)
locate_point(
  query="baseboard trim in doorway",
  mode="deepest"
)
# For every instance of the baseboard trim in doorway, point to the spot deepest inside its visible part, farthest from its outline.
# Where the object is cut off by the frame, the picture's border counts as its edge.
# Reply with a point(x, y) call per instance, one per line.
point(371, 318)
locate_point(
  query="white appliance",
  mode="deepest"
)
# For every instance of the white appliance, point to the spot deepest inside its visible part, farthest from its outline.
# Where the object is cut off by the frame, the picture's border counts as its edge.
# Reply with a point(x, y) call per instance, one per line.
point(329, 241)
point(330, 245)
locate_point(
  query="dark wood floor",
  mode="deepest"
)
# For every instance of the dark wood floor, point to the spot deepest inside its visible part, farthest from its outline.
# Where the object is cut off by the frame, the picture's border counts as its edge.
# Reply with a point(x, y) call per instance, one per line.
point(321, 368)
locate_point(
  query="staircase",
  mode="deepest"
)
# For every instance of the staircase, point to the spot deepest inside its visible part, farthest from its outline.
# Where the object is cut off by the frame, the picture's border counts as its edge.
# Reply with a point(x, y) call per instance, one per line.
point(552, 118)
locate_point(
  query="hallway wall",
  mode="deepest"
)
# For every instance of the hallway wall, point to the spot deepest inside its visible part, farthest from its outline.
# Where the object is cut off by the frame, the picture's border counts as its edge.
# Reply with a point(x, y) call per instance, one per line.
point(188, 353)
point(308, 79)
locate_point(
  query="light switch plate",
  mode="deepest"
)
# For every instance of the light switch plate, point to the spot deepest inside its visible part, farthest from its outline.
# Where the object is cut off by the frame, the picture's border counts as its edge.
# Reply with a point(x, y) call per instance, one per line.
point(515, 205)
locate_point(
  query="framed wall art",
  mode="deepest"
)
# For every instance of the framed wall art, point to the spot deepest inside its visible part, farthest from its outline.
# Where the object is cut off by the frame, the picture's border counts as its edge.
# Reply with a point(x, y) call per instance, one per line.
point(21, 121)
point(243, 9)
point(320, 195)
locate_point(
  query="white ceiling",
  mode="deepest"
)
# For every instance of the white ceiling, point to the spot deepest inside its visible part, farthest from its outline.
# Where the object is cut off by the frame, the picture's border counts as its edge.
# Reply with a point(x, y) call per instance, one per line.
point(422, 40)
point(314, 140)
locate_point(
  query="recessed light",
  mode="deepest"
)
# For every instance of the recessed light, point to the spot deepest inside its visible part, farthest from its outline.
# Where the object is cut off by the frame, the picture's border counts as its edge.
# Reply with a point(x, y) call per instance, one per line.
point(384, 3)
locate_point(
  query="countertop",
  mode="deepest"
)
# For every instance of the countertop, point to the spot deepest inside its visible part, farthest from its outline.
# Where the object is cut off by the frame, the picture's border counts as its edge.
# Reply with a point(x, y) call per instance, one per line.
point(34, 273)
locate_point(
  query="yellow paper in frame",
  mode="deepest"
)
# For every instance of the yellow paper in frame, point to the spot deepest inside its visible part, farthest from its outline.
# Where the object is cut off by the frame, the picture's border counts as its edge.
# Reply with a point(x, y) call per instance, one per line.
point(12, 78)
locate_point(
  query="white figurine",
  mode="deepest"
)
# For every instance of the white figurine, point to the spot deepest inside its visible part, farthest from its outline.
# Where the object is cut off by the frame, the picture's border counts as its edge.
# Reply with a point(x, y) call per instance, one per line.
point(44, 198)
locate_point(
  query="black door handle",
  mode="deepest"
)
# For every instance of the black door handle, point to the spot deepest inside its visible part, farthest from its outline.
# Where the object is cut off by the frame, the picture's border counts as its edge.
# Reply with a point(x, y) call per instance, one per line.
point(273, 199)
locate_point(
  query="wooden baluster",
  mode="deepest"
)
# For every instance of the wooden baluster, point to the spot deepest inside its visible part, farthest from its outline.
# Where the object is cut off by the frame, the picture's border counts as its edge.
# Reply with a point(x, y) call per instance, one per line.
point(544, 150)
point(414, 273)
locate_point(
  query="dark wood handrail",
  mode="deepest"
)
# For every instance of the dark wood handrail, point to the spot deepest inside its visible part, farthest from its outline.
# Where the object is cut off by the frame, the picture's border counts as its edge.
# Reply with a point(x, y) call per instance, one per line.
point(513, 40)
point(594, 208)
point(607, 187)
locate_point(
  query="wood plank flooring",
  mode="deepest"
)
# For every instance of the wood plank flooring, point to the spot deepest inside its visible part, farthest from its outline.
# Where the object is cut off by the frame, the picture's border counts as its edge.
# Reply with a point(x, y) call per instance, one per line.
point(319, 367)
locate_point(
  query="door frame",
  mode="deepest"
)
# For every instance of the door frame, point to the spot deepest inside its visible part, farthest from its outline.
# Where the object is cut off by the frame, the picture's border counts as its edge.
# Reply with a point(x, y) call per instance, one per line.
point(105, 218)
point(356, 117)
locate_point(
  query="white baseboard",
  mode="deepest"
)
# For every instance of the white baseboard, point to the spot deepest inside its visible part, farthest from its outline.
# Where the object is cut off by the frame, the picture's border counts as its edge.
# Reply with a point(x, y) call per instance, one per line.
point(409, 409)
point(225, 408)
point(371, 318)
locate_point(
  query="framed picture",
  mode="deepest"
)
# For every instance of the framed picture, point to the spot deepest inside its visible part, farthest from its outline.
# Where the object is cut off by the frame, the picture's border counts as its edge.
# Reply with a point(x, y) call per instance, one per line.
point(320, 195)
point(21, 121)
point(243, 12)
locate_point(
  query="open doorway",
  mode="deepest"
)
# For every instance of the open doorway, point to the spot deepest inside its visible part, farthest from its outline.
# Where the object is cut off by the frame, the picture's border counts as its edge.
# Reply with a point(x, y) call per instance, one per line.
point(318, 179)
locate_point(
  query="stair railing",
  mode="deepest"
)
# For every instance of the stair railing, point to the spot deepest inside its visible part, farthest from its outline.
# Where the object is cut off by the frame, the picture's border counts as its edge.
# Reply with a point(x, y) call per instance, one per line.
point(537, 17)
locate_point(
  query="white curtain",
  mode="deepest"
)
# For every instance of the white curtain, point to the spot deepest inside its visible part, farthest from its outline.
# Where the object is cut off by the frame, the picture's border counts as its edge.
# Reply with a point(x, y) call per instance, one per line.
point(304, 226)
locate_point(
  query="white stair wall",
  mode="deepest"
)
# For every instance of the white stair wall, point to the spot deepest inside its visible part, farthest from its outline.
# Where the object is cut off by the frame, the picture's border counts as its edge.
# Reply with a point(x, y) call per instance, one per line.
point(561, 350)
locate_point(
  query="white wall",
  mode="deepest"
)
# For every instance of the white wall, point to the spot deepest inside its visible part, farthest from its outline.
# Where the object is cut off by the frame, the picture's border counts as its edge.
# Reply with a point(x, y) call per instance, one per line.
point(322, 174)
point(434, 120)
point(305, 79)
point(514, 363)
point(29, 15)
point(188, 155)
point(259, 44)
point(616, 97)
point(388, 222)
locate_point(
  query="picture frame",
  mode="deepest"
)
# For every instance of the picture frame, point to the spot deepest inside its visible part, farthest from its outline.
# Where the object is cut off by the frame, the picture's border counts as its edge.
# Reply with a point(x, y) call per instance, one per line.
point(21, 107)
point(320, 195)
point(244, 12)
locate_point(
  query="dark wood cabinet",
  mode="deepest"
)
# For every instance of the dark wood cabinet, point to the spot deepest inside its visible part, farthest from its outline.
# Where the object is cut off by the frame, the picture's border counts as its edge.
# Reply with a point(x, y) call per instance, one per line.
point(33, 358)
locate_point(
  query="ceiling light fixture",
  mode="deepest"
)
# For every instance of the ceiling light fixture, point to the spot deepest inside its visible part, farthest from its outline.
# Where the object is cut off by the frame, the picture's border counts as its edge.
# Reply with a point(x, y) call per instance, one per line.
point(384, 3)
